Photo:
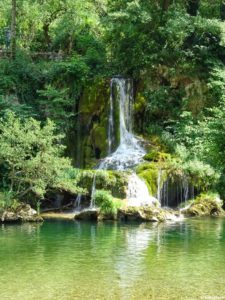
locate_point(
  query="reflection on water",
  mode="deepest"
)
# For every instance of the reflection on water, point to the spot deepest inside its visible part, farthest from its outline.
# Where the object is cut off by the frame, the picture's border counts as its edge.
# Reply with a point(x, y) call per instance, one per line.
point(70, 260)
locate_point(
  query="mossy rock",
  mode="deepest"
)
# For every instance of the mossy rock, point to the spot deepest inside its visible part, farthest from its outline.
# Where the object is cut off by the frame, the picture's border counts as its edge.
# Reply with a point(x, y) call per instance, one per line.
point(87, 215)
point(157, 156)
point(205, 205)
point(99, 140)
point(22, 213)
point(149, 173)
point(114, 181)
point(146, 214)
point(92, 126)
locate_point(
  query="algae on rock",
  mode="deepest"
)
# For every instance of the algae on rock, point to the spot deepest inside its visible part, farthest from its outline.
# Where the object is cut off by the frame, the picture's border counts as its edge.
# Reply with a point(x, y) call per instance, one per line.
point(92, 124)
point(205, 205)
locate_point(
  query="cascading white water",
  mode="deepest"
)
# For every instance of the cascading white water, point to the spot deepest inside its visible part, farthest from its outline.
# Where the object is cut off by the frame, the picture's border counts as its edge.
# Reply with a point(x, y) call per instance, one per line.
point(137, 193)
point(129, 152)
point(93, 190)
point(159, 185)
point(77, 203)
point(111, 121)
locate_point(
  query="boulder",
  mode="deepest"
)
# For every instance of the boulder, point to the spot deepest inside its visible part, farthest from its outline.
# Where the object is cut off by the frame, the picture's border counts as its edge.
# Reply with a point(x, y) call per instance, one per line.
point(89, 214)
point(204, 205)
point(145, 213)
point(23, 213)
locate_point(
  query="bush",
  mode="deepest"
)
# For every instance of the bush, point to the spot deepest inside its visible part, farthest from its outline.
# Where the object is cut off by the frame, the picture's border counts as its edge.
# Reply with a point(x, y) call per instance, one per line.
point(107, 204)
point(7, 200)
point(32, 158)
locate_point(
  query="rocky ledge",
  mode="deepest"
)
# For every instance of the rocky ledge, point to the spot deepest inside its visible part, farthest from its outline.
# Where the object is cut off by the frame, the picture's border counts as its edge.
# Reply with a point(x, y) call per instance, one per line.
point(89, 214)
point(143, 214)
point(22, 213)
point(205, 205)
point(148, 214)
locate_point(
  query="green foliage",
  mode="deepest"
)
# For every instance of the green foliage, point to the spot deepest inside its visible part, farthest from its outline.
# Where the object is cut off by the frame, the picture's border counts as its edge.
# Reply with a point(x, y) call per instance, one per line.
point(56, 105)
point(114, 181)
point(206, 204)
point(65, 48)
point(31, 155)
point(155, 155)
point(108, 205)
point(7, 200)
point(149, 173)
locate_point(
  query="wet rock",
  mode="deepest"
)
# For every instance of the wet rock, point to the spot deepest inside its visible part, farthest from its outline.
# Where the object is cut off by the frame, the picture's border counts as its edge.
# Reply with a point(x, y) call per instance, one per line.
point(147, 214)
point(87, 214)
point(23, 213)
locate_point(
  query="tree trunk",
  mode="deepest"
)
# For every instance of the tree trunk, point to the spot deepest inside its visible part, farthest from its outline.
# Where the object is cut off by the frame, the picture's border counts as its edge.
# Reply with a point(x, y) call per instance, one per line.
point(46, 35)
point(192, 7)
point(222, 10)
point(165, 5)
point(13, 30)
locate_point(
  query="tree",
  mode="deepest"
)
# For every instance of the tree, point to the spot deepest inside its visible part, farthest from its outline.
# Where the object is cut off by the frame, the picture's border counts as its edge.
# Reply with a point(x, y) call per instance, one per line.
point(166, 4)
point(192, 7)
point(222, 10)
point(13, 29)
point(32, 158)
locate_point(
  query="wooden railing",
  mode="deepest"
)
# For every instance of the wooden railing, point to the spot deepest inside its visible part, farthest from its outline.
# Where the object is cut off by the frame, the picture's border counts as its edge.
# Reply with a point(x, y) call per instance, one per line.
point(44, 55)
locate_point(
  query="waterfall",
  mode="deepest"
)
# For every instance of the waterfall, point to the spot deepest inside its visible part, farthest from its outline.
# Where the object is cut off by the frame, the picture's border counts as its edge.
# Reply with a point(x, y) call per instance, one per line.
point(159, 185)
point(77, 203)
point(137, 193)
point(93, 190)
point(173, 192)
point(111, 120)
point(129, 152)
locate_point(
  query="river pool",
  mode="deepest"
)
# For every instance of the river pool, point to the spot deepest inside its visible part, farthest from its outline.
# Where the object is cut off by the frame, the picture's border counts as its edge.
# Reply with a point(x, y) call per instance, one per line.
point(66, 260)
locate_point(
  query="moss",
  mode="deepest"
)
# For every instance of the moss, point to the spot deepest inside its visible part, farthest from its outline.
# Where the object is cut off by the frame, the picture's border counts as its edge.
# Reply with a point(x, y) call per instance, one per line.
point(113, 181)
point(91, 132)
point(156, 156)
point(147, 214)
point(99, 139)
point(140, 103)
point(149, 172)
point(206, 204)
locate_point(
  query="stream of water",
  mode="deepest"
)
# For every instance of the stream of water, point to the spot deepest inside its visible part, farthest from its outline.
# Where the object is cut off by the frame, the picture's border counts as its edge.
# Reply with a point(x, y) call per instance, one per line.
point(129, 152)
point(113, 261)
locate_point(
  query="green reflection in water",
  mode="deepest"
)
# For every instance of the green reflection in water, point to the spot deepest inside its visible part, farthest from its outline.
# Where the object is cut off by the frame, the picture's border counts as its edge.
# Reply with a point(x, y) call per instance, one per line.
point(68, 260)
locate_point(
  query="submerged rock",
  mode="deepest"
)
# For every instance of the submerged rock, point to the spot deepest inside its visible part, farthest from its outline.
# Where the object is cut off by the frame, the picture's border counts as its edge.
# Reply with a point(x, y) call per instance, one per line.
point(89, 214)
point(205, 205)
point(23, 213)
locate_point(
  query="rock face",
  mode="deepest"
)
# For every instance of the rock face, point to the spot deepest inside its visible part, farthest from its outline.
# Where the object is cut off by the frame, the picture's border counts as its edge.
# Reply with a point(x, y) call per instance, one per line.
point(204, 206)
point(23, 213)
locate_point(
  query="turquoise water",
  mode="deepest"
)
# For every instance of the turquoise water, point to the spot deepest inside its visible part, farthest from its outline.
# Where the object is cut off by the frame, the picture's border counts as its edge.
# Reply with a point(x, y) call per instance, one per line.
point(68, 260)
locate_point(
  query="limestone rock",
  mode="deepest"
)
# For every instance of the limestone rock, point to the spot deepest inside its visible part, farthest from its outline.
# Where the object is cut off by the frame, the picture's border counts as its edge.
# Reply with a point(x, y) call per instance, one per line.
point(204, 205)
point(90, 214)
point(147, 214)
point(23, 213)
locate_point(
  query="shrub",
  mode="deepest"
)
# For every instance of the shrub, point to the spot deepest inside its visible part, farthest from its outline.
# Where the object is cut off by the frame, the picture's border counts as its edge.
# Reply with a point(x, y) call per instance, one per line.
point(106, 202)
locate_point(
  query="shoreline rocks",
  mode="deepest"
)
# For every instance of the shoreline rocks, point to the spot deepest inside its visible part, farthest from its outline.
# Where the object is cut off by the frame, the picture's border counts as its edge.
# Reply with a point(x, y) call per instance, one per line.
point(141, 214)
point(23, 213)
point(148, 214)
point(205, 205)
point(89, 214)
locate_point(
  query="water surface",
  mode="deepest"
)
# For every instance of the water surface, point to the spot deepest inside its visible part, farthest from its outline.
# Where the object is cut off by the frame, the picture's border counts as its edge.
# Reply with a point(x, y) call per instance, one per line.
point(68, 260)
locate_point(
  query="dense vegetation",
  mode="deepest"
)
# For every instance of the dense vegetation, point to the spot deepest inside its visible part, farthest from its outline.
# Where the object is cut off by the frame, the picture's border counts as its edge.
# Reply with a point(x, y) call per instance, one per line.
point(53, 52)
